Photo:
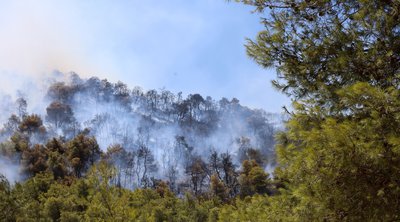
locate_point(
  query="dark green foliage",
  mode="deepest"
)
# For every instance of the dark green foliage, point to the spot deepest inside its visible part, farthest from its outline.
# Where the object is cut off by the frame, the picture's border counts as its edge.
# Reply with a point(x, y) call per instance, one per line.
point(83, 151)
point(253, 179)
point(218, 188)
point(8, 205)
point(319, 46)
point(34, 160)
point(339, 61)
point(31, 124)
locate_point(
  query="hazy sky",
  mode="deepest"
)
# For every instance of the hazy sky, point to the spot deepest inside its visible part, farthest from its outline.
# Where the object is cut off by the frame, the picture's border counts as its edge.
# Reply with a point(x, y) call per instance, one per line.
point(191, 46)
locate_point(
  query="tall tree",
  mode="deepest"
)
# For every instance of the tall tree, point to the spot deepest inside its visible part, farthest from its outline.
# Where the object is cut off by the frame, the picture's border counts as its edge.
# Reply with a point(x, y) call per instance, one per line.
point(339, 60)
point(197, 173)
point(319, 46)
point(145, 166)
point(34, 160)
point(59, 114)
point(83, 152)
point(11, 125)
point(8, 204)
point(253, 179)
point(31, 124)
point(21, 107)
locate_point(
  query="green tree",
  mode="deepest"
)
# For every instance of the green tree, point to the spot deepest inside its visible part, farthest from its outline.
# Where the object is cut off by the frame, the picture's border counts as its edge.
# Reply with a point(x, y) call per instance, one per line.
point(253, 179)
point(29, 197)
point(339, 61)
point(105, 197)
point(31, 124)
point(8, 205)
point(34, 160)
point(57, 162)
point(83, 151)
point(218, 188)
point(345, 169)
point(197, 173)
point(319, 46)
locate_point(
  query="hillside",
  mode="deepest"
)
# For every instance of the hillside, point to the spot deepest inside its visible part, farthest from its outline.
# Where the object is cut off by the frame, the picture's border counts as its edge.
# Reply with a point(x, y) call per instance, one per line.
point(146, 135)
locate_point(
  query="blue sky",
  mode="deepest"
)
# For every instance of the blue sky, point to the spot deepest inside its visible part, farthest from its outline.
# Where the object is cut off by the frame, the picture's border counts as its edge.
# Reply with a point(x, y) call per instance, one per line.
point(190, 46)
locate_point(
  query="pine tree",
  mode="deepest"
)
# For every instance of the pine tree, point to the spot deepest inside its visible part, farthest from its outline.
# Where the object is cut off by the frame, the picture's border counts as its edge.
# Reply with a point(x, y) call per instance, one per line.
point(339, 61)
point(253, 179)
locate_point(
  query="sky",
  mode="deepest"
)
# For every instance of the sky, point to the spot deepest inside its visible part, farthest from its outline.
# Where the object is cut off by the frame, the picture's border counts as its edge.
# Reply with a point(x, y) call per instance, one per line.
point(192, 46)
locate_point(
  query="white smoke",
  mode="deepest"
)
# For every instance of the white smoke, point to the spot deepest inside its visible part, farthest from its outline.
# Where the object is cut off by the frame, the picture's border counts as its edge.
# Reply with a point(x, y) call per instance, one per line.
point(10, 170)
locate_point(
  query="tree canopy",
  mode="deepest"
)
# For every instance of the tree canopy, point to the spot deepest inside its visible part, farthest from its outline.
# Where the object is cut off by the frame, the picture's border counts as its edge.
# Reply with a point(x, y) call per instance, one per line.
point(339, 61)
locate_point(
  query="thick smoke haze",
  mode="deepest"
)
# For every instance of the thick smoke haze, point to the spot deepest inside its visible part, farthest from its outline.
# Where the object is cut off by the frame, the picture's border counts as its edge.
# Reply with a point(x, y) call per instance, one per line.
point(10, 170)
point(166, 130)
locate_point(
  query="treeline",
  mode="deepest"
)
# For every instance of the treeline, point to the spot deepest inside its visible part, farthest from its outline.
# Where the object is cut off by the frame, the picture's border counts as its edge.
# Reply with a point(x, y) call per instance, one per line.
point(70, 160)
point(96, 198)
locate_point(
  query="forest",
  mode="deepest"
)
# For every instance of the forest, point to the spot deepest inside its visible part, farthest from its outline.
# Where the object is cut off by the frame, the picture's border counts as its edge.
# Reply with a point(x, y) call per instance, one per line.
point(100, 151)
point(130, 139)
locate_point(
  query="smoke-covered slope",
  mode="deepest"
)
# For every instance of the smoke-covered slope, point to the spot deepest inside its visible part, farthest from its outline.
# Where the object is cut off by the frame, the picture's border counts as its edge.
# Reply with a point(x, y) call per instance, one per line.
point(147, 135)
